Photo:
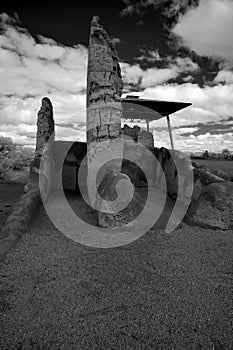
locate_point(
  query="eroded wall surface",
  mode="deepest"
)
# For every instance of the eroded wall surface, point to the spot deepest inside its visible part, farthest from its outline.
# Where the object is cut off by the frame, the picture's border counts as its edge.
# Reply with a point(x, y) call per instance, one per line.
point(104, 110)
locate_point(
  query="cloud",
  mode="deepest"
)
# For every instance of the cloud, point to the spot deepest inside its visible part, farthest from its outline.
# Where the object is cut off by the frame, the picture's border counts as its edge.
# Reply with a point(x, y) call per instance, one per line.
point(131, 74)
point(210, 103)
point(23, 134)
point(207, 29)
point(70, 134)
point(149, 56)
point(154, 76)
point(6, 19)
point(185, 64)
point(224, 76)
point(32, 69)
point(210, 115)
point(169, 9)
point(134, 74)
point(210, 142)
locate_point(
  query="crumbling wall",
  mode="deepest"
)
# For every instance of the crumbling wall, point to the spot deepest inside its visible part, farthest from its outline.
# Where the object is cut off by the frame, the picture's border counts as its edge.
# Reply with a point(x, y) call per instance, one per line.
point(138, 135)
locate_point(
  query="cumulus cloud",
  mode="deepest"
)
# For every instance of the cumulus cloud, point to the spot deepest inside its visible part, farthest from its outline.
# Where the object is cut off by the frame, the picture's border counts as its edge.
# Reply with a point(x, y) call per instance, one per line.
point(224, 76)
point(32, 69)
point(185, 64)
point(155, 76)
point(169, 9)
point(213, 105)
point(134, 74)
point(131, 73)
point(149, 56)
point(207, 29)
point(211, 142)
point(209, 103)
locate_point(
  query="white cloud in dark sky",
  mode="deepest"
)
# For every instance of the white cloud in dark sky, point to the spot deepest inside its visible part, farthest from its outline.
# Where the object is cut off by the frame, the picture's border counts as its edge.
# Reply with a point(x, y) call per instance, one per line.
point(214, 143)
point(154, 76)
point(170, 8)
point(185, 64)
point(224, 76)
point(131, 73)
point(31, 69)
point(209, 104)
point(207, 29)
point(149, 56)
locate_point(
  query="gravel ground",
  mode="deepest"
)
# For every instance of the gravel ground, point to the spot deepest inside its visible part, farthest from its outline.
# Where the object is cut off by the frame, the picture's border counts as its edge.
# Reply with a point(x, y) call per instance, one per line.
point(9, 195)
point(163, 291)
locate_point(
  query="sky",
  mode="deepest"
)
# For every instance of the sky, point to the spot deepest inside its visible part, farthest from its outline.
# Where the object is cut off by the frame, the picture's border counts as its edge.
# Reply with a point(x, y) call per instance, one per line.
point(175, 50)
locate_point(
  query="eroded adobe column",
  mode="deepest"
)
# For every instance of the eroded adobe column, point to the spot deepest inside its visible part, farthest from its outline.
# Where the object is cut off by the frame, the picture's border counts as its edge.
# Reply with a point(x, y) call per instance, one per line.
point(104, 110)
point(45, 125)
point(44, 137)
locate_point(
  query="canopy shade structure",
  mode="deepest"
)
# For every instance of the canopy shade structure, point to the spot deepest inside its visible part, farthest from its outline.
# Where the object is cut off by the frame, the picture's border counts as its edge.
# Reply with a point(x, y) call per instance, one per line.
point(149, 110)
point(135, 108)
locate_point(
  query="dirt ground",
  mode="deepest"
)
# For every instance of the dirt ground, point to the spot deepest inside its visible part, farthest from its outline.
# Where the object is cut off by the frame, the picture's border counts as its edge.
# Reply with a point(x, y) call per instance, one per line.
point(10, 192)
point(161, 292)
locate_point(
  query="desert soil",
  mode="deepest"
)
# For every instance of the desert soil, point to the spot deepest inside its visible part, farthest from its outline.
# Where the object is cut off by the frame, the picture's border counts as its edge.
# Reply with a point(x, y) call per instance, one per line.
point(163, 291)
point(10, 192)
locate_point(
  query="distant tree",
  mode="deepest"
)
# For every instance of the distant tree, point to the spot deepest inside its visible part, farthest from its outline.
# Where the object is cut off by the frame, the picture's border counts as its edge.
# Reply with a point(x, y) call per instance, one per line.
point(22, 158)
point(6, 144)
point(225, 151)
point(206, 154)
point(13, 157)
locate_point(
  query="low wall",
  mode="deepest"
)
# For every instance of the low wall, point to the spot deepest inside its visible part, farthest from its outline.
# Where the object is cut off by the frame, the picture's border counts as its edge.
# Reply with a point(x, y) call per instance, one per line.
point(186, 181)
point(18, 221)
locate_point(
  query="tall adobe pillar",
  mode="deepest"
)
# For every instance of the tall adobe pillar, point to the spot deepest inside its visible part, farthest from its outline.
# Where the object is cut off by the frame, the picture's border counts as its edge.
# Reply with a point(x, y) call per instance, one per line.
point(44, 137)
point(104, 110)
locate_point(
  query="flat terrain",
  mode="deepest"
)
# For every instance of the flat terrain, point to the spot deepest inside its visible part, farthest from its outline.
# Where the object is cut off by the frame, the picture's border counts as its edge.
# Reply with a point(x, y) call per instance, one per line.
point(163, 291)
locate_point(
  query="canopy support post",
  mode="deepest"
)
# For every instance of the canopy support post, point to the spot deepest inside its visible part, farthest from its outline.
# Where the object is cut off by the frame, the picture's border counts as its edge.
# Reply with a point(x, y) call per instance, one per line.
point(170, 131)
point(147, 125)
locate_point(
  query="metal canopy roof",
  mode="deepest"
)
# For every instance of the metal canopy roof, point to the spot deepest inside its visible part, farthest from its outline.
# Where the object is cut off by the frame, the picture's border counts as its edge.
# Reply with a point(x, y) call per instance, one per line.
point(135, 108)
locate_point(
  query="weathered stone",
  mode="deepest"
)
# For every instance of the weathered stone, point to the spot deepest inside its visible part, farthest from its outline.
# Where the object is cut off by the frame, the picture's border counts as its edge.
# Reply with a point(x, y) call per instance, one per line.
point(217, 172)
point(104, 109)
point(197, 189)
point(132, 207)
point(177, 170)
point(140, 160)
point(222, 174)
point(138, 135)
point(174, 162)
point(17, 222)
point(214, 208)
point(206, 177)
point(104, 86)
point(139, 171)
